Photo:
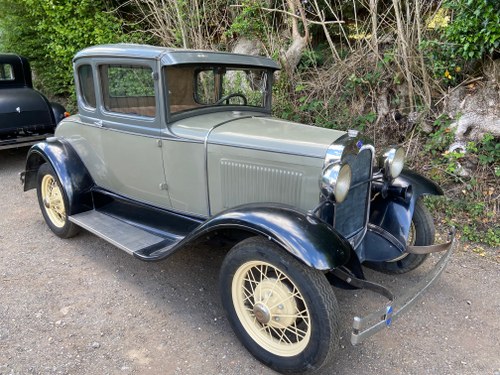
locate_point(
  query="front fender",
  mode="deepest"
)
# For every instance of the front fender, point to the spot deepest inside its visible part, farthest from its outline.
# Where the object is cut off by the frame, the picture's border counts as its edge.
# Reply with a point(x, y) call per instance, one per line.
point(70, 170)
point(390, 218)
point(421, 185)
point(306, 237)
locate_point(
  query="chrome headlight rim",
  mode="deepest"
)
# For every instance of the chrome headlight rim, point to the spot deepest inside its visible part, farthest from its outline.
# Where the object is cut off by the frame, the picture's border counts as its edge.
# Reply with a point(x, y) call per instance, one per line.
point(336, 181)
point(393, 162)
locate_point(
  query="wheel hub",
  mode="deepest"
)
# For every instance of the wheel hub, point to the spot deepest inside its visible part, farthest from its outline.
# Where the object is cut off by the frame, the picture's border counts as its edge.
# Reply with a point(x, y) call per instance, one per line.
point(274, 304)
point(262, 313)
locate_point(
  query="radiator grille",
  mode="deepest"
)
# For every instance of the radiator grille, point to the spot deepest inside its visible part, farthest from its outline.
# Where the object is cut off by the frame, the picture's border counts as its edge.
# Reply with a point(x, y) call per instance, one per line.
point(351, 215)
point(246, 183)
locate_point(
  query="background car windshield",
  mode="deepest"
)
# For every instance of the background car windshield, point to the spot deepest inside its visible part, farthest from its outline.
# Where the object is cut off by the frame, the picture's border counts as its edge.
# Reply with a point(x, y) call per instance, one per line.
point(194, 87)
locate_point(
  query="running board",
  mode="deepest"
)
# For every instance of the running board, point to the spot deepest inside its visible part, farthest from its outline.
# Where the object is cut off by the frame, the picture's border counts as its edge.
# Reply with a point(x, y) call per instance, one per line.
point(130, 238)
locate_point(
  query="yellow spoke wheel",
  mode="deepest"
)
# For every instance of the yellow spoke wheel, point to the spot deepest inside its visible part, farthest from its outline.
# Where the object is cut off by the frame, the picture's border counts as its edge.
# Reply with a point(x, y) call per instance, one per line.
point(53, 202)
point(271, 308)
point(283, 311)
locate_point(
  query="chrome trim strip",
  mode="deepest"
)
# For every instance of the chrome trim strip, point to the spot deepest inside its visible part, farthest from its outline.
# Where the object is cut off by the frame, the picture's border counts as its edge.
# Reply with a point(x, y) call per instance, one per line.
point(264, 149)
point(162, 135)
point(382, 318)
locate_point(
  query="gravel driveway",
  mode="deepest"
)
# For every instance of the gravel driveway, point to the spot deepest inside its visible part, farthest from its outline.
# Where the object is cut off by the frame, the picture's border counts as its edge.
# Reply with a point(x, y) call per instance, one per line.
point(81, 306)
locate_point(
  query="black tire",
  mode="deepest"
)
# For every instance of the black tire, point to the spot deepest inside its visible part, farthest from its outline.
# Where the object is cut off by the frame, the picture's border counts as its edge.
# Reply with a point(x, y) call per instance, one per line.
point(423, 235)
point(53, 202)
point(284, 312)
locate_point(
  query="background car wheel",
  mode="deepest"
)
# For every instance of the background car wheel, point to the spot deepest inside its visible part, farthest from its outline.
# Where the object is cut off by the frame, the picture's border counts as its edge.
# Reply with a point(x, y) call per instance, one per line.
point(284, 312)
point(53, 202)
point(421, 233)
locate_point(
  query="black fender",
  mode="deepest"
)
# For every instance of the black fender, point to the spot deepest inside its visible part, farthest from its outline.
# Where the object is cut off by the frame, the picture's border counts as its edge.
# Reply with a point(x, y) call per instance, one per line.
point(305, 236)
point(390, 218)
point(69, 168)
point(421, 185)
point(58, 111)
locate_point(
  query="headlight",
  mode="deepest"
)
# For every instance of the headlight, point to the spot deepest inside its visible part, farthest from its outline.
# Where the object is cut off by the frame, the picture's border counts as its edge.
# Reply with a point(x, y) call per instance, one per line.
point(393, 162)
point(336, 181)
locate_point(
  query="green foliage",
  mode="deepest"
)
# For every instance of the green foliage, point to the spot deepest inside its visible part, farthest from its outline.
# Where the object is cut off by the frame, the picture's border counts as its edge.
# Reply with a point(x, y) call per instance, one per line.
point(443, 62)
point(249, 22)
point(441, 138)
point(50, 32)
point(472, 218)
point(475, 27)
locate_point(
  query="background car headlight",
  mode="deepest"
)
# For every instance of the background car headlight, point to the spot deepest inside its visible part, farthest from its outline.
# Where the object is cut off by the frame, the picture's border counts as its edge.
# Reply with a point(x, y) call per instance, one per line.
point(336, 181)
point(393, 162)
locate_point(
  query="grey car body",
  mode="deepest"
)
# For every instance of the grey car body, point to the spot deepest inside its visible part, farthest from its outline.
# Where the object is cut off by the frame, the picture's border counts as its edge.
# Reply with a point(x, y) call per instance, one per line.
point(171, 146)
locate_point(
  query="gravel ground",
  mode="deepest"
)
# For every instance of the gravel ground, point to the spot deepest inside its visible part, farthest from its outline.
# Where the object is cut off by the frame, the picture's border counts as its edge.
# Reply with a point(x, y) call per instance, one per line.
point(81, 306)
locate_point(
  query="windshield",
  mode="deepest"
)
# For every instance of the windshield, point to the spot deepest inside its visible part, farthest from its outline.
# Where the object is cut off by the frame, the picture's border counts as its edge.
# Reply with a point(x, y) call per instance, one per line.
point(193, 87)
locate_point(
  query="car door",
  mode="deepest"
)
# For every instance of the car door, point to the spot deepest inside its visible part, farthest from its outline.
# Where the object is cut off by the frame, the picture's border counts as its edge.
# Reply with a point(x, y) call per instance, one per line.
point(119, 137)
point(130, 131)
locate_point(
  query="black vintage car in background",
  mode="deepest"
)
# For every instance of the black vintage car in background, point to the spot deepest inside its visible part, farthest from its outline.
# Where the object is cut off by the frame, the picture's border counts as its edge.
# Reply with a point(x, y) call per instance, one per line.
point(26, 115)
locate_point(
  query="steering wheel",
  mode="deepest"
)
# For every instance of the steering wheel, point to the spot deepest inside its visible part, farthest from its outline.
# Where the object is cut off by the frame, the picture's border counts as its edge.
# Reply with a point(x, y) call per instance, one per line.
point(233, 95)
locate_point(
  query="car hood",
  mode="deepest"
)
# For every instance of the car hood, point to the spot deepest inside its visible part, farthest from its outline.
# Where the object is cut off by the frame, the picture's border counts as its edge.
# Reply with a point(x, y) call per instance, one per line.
point(254, 131)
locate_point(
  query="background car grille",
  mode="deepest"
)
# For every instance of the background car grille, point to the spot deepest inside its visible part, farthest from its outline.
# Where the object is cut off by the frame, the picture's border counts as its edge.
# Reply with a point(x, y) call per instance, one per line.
point(351, 215)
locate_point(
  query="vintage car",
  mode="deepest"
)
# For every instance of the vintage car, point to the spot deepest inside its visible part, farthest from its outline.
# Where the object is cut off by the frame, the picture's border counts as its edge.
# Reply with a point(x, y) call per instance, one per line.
point(25, 114)
point(172, 146)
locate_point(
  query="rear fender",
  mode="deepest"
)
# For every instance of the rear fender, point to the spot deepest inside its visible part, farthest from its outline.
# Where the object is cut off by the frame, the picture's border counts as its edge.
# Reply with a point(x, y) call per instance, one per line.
point(390, 218)
point(304, 236)
point(70, 170)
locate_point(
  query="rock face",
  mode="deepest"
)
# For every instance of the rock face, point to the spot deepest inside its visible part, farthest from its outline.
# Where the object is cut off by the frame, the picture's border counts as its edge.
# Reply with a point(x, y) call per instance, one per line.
point(477, 106)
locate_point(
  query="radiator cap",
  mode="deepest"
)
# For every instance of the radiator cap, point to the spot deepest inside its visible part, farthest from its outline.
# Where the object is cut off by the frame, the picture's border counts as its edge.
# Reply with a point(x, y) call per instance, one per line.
point(352, 133)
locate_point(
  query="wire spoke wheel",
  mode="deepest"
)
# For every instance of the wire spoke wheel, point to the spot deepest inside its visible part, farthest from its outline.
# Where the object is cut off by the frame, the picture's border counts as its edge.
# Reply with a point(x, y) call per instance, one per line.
point(283, 311)
point(271, 308)
point(53, 201)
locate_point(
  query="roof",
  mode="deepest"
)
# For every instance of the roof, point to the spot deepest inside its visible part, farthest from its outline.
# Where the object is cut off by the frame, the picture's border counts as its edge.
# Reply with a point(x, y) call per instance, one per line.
point(22, 70)
point(174, 56)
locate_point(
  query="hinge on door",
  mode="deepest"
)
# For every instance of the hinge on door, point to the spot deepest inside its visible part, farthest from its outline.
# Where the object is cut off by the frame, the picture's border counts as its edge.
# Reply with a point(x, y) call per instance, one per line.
point(156, 76)
point(159, 143)
point(163, 186)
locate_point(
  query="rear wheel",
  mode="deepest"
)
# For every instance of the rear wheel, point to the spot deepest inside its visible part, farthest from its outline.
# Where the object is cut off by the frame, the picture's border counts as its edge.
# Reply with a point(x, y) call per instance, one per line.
point(284, 312)
point(422, 233)
point(53, 202)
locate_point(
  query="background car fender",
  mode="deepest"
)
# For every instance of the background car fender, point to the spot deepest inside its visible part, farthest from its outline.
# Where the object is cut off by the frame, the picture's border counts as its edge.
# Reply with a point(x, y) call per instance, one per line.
point(72, 173)
point(58, 111)
point(305, 236)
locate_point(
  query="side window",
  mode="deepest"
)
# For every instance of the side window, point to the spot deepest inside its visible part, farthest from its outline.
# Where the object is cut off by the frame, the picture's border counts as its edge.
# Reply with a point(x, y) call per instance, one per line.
point(6, 72)
point(128, 89)
point(87, 89)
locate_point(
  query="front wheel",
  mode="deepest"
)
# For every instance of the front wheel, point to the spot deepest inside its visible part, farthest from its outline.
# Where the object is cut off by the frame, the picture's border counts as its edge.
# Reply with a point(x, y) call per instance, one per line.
point(54, 202)
point(421, 233)
point(284, 312)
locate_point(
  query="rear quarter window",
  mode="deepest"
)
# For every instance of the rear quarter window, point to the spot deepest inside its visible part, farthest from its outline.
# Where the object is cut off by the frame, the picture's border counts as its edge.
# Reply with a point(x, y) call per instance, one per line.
point(6, 72)
point(87, 89)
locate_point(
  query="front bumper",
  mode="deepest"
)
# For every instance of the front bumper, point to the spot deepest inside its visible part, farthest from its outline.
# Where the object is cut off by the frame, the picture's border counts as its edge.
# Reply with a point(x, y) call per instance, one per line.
point(364, 327)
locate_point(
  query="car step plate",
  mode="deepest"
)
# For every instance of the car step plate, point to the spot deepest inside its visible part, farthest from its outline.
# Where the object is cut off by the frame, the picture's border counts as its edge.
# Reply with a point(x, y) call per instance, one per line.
point(121, 234)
